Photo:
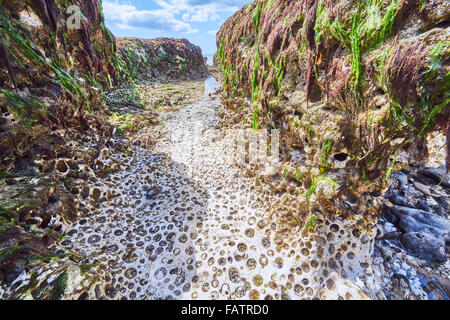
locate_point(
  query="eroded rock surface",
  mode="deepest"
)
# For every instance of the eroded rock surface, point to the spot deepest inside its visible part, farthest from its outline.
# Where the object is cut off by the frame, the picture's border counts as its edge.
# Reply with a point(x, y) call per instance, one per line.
point(56, 131)
point(206, 233)
point(136, 199)
point(51, 80)
point(162, 59)
point(359, 89)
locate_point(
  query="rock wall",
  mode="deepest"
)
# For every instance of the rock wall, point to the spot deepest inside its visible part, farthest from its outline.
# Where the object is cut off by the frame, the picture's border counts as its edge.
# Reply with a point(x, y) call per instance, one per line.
point(161, 59)
point(358, 89)
point(51, 76)
point(55, 136)
point(51, 81)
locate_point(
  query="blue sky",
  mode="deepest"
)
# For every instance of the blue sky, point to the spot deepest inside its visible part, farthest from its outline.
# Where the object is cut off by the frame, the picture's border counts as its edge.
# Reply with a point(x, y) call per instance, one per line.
point(196, 20)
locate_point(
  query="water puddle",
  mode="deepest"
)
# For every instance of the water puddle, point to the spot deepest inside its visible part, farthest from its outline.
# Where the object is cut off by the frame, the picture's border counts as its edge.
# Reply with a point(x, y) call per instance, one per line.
point(211, 85)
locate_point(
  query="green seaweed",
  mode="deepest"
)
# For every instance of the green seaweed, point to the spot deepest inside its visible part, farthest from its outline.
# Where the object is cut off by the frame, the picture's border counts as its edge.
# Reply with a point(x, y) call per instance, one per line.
point(312, 222)
point(269, 4)
point(279, 71)
point(322, 22)
point(435, 77)
point(326, 152)
point(7, 252)
point(298, 175)
point(11, 29)
point(255, 120)
point(7, 218)
point(255, 88)
point(23, 107)
point(422, 4)
point(59, 286)
point(313, 186)
point(391, 167)
point(367, 32)
point(42, 257)
point(84, 268)
point(256, 16)
point(378, 63)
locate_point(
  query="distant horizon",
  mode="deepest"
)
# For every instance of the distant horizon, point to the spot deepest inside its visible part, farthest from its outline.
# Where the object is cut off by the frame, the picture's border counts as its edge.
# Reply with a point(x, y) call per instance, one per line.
point(198, 21)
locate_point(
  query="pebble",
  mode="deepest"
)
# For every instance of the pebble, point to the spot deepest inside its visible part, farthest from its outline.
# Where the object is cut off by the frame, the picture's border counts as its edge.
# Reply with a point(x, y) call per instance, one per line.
point(422, 188)
point(399, 200)
point(401, 178)
point(153, 192)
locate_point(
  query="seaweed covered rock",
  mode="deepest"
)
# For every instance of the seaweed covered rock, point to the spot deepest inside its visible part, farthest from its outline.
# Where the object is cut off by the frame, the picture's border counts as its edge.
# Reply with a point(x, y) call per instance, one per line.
point(161, 59)
point(56, 58)
point(358, 90)
point(44, 56)
point(52, 74)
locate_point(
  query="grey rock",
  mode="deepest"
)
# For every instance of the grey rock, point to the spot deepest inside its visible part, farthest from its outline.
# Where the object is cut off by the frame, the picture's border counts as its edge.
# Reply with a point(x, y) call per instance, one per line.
point(437, 294)
point(399, 200)
point(400, 281)
point(415, 220)
point(423, 205)
point(392, 235)
point(444, 207)
point(436, 175)
point(14, 270)
point(380, 232)
point(387, 231)
point(19, 265)
point(401, 178)
point(389, 215)
point(425, 246)
point(412, 193)
point(385, 252)
point(422, 188)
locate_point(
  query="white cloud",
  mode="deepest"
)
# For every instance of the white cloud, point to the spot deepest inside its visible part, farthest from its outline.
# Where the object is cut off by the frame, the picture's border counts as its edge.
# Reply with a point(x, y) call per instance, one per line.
point(123, 26)
point(212, 31)
point(201, 10)
point(201, 14)
point(127, 16)
point(193, 3)
point(173, 15)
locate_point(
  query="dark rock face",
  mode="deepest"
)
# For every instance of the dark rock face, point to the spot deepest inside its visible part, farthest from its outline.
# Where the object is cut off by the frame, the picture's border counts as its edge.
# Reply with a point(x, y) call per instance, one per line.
point(51, 76)
point(413, 220)
point(162, 59)
point(414, 228)
point(438, 176)
point(420, 214)
point(15, 247)
point(425, 246)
